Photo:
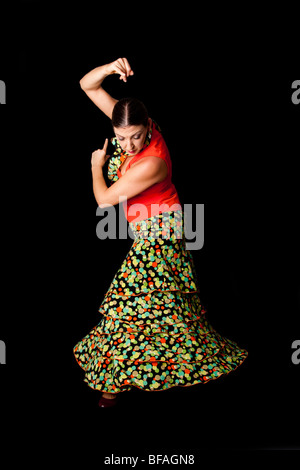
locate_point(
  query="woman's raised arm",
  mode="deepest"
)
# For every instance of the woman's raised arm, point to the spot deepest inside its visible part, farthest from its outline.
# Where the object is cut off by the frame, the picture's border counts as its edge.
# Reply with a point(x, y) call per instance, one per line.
point(92, 81)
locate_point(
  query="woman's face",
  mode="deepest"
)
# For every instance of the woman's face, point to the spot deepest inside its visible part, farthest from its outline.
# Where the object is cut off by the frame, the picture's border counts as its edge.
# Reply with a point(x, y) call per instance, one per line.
point(131, 138)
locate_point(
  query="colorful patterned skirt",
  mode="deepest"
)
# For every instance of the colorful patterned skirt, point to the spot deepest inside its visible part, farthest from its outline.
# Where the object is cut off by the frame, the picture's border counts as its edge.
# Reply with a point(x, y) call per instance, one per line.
point(153, 333)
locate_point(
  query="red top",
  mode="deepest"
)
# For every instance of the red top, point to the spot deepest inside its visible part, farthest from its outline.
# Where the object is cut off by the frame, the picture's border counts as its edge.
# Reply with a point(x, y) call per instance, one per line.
point(160, 193)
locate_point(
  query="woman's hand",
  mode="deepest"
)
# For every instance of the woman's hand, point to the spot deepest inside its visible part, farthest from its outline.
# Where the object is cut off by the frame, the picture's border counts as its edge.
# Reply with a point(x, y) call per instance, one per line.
point(99, 157)
point(122, 67)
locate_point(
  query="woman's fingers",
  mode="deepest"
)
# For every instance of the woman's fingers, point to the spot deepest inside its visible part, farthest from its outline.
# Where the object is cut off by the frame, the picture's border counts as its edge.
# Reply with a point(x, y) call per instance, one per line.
point(129, 71)
point(120, 70)
point(122, 67)
point(105, 145)
point(99, 156)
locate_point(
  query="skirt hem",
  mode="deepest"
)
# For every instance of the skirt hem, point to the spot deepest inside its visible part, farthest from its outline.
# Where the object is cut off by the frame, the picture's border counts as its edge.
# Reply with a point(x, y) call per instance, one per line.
point(129, 387)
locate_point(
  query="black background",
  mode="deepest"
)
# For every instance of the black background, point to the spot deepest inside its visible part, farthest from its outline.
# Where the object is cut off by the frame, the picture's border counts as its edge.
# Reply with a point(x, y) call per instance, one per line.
point(223, 101)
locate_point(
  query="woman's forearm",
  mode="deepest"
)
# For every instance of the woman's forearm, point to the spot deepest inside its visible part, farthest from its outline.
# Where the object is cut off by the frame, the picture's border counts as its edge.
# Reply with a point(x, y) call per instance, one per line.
point(93, 79)
point(99, 185)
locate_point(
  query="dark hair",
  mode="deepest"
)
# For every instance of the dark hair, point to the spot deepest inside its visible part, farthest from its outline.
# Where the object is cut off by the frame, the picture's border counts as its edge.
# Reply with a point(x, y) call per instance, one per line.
point(129, 112)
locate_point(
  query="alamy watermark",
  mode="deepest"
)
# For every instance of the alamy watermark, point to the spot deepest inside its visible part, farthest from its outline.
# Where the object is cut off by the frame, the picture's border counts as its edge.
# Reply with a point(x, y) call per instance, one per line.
point(296, 354)
point(171, 222)
point(296, 94)
point(2, 92)
point(2, 352)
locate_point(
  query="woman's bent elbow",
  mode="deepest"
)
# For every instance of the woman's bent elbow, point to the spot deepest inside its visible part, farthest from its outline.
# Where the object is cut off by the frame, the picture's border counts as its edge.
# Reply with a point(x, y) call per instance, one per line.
point(103, 205)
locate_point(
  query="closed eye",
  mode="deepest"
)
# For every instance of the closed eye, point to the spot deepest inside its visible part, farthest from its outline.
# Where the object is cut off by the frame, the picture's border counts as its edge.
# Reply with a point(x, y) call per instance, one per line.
point(136, 137)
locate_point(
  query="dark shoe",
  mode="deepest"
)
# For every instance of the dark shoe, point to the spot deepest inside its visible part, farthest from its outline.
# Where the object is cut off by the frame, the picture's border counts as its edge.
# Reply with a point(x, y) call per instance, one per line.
point(108, 402)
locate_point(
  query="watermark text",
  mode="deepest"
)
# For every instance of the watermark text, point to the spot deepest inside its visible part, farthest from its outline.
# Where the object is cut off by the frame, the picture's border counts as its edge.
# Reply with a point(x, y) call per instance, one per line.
point(2, 92)
point(2, 352)
point(171, 221)
point(296, 354)
point(296, 94)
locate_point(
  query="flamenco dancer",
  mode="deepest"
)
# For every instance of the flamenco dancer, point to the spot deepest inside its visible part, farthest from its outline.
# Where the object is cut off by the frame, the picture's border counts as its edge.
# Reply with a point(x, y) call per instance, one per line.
point(153, 333)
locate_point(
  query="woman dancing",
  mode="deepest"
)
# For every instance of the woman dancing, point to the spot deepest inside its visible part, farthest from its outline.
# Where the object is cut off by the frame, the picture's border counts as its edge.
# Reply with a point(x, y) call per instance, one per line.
point(153, 333)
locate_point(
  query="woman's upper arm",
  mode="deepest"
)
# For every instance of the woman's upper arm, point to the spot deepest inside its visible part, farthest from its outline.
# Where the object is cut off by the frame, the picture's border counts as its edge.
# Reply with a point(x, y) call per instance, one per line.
point(138, 178)
point(102, 100)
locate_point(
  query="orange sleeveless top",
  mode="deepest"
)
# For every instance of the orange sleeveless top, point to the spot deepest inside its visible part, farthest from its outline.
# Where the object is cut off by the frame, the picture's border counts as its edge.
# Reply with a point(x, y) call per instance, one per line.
point(160, 197)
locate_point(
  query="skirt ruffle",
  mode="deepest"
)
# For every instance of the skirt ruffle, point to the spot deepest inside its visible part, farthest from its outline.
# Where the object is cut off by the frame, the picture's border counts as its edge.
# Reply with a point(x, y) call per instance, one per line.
point(153, 333)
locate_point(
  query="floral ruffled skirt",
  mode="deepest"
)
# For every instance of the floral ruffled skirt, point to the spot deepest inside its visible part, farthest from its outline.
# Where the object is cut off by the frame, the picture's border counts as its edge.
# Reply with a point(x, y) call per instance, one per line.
point(153, 333)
